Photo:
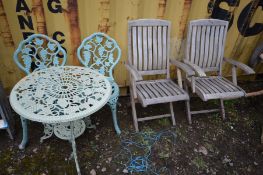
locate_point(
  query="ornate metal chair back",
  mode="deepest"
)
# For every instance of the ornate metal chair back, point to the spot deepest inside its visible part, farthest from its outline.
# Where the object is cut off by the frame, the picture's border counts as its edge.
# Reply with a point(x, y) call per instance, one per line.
point(99, 52)
point(37, 52)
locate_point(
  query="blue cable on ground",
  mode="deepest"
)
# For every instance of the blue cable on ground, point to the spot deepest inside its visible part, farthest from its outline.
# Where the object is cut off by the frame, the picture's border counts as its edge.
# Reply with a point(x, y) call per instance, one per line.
point(142, 163)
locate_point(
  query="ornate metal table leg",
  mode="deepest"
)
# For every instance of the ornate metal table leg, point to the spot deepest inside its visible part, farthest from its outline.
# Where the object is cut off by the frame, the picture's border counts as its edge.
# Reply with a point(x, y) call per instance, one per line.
point(74, 147)
point(113, 105)
point(48, 131)
point(25, 133)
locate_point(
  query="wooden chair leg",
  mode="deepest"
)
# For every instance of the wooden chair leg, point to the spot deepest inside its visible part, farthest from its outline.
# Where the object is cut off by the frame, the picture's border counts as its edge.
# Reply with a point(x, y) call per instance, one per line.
point(187, 105)
point(172, 113)
point(188, 112)
point(222, 109)
point(134, 115)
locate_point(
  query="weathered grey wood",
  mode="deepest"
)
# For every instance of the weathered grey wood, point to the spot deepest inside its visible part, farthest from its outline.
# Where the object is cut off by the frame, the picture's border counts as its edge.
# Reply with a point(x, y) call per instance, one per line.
point(202, 46)
point(134, 47)
point(229, 84)
point(187, 69)
point(208, 93)
point(211, 47)
point(172, 113)
point(140, 61)
point(133, 86)
point(169, 89)
point(149, 44)
point(234, 75)
point(212, 83)
point(223, 87)
point(136, 75)
point(179, 78)
point(196, 68)
point(130, 46)
point(152, 89)
point(220, 46)
point(168, 50)
point(160, 50)
point(204, 53)
point(209, 22)
point(193, 83)
point(206, 49)
point(203, 89)
point(150, 61)
point(153, 72)
point(256, 93)
point(148, 22)
point(159, 91)
point(205, 111)
point(134, 114)
point(187, 104)
point(215, 49)
point(155, 56)
point(145, 49)
point(197, 45)
point(211, 69)
point(222, 109)
point(240, 65)
point(154, 117)
point(164, 48)
point(193, 44)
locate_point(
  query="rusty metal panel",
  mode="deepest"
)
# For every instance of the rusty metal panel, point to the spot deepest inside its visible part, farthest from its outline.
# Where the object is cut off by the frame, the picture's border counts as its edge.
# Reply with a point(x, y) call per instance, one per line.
point(70, 21)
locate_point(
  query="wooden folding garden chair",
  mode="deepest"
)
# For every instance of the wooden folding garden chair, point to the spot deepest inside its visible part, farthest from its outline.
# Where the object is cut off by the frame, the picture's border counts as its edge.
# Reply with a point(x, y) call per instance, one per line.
point(148, 54)
point(205, 54)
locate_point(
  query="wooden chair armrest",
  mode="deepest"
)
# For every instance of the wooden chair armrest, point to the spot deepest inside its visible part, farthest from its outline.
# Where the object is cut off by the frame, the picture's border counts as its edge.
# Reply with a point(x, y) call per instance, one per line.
point(187, 69)
point(135, 74)
point(240, 65)
point(200, 72)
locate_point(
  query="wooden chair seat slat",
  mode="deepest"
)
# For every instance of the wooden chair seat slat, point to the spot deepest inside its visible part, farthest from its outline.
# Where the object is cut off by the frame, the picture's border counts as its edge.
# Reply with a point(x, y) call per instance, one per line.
point(150, 86)
point(168, 88)
point(217, 87)
point(175, 88)
point(164, 91)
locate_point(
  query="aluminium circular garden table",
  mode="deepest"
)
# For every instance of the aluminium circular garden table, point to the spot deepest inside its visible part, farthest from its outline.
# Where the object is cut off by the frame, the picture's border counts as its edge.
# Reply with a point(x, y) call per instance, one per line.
point(61, 97)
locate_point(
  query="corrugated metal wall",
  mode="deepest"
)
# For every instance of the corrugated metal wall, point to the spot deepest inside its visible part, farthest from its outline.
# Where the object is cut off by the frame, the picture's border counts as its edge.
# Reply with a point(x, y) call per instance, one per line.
point(70, 21)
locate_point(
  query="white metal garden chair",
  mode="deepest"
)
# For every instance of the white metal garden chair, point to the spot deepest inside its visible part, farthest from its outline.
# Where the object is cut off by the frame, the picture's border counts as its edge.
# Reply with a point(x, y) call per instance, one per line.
point(101, 52)
point(205, 54)
point(148, 54)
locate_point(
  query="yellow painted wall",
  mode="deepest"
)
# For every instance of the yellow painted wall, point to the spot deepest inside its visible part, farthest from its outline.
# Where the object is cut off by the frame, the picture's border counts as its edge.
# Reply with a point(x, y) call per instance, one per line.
point(80, 18)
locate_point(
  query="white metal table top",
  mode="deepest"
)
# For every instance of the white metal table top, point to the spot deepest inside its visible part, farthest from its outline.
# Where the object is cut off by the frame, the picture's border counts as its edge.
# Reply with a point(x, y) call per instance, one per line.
point(60, 94)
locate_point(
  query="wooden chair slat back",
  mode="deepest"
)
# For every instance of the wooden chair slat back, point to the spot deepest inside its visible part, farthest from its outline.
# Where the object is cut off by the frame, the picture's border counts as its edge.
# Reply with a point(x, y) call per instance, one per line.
point(149, 45)
point(205, 43)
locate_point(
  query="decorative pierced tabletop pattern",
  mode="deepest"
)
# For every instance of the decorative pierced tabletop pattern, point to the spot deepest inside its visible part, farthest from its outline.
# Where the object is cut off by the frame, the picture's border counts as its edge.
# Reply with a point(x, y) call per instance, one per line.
point(60, 94)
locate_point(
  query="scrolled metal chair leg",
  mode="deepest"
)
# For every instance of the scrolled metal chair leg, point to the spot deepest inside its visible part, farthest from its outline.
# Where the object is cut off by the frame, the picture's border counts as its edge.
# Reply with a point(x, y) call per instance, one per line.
point(113, 106)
